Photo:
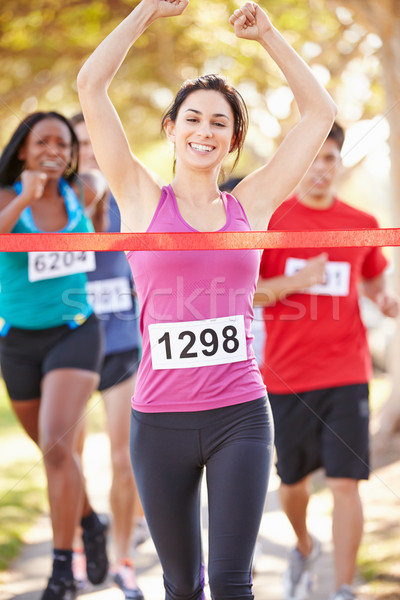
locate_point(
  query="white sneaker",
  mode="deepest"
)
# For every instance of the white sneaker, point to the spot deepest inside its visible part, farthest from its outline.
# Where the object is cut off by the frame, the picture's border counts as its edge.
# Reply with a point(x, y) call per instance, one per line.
point(79, 568)
point(141, 532)
point(298, 578)
point(345, 592)
point(257, 554)
point(125, 579)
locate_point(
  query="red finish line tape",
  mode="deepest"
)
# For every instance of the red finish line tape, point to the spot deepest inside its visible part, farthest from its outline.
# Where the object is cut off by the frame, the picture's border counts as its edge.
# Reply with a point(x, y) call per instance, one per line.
point(42, 242)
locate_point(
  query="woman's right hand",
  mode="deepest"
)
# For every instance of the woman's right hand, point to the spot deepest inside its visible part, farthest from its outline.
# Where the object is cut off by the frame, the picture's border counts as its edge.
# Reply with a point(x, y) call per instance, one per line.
point(33, 183)
point(250, 21)
point(167, 8)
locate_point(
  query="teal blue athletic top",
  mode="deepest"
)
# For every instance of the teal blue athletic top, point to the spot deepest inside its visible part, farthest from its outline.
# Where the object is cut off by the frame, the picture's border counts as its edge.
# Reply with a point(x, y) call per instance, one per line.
point(48, 302)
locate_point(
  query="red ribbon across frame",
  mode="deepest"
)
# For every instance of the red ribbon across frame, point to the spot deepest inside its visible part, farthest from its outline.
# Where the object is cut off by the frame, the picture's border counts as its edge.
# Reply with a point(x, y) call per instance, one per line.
point(45, 242)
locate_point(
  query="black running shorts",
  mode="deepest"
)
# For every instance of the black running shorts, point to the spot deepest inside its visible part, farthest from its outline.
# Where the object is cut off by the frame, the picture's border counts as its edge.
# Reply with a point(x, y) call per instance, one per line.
point(26, 355)
point(323, 428)
point(118, 367)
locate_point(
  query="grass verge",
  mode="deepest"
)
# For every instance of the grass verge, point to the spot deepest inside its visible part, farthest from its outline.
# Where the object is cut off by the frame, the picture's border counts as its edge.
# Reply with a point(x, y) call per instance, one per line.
point(22, 500)
point(23, 495)
point(22, 482)
point(379, 562)
point(379, 555)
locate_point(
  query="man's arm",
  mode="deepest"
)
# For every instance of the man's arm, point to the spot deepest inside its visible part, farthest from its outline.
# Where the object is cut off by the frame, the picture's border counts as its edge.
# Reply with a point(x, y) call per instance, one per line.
point(375, 290)
point(273, 289)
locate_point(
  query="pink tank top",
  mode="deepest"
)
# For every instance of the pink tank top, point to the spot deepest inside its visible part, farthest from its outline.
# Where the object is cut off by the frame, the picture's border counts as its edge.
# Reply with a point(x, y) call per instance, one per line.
point(195, 319)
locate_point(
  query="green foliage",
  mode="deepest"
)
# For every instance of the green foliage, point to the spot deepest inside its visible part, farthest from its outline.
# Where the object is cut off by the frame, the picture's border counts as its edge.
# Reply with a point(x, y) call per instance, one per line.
point(378, 559)
point(43, 45)
point(22, 477)
point(8, 421)
point(22, 500)
point(22, 482)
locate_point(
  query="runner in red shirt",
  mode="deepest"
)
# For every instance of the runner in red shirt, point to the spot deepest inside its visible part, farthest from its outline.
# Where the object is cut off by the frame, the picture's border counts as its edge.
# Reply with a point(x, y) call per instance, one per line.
point(317, 365)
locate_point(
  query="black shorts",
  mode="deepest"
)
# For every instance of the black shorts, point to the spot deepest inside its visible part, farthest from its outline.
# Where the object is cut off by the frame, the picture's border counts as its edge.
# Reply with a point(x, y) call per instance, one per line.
point(118, 367)
point(323, 428)
point(26, 355)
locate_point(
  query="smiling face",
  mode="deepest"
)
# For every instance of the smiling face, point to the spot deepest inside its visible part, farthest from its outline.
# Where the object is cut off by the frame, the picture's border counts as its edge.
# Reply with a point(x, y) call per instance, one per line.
point(47, 148)
point(203, 130)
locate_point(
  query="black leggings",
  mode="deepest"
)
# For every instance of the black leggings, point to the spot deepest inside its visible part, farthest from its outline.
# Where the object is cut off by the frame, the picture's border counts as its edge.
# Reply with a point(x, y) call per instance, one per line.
point(168, 453)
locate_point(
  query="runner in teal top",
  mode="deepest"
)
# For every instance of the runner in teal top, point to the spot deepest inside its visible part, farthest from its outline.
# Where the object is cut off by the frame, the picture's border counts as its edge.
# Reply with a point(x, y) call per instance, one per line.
point(51, 342)
point(39, 272)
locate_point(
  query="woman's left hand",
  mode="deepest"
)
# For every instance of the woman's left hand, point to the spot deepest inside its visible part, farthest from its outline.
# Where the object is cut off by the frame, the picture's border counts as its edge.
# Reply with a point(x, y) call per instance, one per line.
point(250, 21)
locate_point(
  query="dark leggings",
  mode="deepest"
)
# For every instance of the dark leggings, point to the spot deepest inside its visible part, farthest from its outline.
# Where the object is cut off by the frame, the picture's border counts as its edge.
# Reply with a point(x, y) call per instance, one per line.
point(168, 453)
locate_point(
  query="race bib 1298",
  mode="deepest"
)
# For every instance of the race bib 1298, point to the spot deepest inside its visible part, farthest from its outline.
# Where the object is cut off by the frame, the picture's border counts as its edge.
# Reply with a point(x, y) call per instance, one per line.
point(198, 343)
point(48, 265)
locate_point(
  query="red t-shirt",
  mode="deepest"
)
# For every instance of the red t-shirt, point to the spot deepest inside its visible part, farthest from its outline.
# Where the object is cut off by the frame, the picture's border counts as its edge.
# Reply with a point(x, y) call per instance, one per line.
point(316, 339)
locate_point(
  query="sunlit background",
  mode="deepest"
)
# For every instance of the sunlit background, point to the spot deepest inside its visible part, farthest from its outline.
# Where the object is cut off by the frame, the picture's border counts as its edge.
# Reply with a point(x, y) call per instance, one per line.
point(347, 44)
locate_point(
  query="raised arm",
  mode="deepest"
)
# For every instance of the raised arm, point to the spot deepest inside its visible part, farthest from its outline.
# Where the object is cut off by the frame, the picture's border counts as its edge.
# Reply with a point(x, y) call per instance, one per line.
point(12, 205)
point(133, 186)
point(262, 191)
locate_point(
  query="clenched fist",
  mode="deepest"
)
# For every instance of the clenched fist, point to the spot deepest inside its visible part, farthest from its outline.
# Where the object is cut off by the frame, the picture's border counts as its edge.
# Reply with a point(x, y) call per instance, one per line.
point(250, 22)
point(33, 183)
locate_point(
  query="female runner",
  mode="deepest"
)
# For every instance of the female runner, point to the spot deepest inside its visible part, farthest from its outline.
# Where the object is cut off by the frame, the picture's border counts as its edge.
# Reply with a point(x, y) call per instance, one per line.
point(199, 399)
point(50, 340)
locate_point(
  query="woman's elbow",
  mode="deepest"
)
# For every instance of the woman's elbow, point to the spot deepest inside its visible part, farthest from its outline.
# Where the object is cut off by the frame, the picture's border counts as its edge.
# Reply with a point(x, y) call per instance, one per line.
point(322, 115)
point(87, 81)
point(82, 81)
point(90, 85)
point(330, 108)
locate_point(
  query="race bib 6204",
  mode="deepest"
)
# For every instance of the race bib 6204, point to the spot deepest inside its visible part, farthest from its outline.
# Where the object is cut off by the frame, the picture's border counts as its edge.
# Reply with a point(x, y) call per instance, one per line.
point(48, 265)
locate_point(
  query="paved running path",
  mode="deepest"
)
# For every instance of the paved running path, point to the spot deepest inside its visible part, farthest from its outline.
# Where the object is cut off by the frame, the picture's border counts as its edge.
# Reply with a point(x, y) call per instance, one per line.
point(28, 576)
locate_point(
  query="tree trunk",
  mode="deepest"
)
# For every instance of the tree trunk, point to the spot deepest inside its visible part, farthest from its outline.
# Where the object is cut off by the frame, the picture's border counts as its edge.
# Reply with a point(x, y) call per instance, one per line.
point(389, 418)
point(383, 18)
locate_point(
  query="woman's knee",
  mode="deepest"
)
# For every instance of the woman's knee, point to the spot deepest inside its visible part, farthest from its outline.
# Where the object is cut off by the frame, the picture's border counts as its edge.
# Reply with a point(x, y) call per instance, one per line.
point(56, 450)
point(230, 584)
point(185, 590)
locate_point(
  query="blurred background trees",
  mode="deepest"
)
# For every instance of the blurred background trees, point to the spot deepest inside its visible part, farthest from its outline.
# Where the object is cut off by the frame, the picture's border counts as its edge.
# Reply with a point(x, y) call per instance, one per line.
point(352, 45)
point(382, 17)
point(43, 44)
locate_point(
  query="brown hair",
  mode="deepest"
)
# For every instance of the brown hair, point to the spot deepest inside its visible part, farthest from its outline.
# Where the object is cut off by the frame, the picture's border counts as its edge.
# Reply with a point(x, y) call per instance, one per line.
point(232, 96)
point(337, 134)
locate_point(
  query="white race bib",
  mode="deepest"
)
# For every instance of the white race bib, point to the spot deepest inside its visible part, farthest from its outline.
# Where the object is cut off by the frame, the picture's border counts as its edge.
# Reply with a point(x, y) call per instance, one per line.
point(48, 265)
point(198, 343)
point(110, 295)
point(337, 276)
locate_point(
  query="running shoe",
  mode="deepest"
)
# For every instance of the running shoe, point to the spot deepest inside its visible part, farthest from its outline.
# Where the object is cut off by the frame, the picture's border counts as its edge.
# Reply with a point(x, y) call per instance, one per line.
point(141, 532)
point(79, 568)
point(258, 551)
point(95, 545)
point(125, 578)
point(298, 578)
point(345, 592)
point(60, 589)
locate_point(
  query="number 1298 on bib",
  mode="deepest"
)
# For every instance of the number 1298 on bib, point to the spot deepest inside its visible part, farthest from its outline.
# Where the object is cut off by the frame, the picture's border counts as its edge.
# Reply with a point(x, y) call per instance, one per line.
point(198, 343)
